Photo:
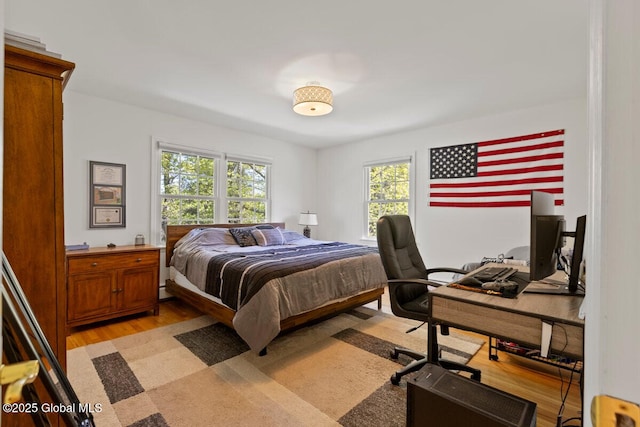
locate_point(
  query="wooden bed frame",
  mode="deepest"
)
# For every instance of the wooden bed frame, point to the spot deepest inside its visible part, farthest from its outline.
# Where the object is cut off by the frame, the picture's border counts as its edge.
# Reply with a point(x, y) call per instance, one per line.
point(225, 315)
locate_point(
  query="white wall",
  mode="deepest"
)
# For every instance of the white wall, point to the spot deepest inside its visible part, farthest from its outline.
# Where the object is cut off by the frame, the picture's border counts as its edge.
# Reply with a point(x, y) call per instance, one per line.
point(103, 130)
point(449, 236)
point(613, 318)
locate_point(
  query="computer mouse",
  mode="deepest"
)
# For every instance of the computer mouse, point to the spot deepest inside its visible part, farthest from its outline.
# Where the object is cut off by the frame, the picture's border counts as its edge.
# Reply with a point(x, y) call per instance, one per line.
point(470, 281)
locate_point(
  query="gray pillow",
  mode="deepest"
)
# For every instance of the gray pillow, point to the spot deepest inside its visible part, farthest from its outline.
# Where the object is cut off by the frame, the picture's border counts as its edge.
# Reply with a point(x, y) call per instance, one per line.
point(268, 236)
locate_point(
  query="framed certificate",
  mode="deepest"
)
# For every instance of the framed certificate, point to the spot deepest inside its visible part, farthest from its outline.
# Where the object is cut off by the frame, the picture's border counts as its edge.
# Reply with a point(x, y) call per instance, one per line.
point(107, 194)
point(107, 173)
point(107, 217)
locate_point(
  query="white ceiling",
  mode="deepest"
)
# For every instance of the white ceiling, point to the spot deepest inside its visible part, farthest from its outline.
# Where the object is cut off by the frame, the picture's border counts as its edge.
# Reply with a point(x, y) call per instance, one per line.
point(392, 66)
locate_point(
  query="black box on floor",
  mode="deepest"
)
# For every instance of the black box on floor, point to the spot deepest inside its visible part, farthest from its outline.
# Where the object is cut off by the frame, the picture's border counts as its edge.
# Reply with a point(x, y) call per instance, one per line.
point(437, 397)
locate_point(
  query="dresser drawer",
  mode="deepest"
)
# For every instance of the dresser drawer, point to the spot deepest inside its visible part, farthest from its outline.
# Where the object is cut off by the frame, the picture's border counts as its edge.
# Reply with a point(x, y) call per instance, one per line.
point(89, 263)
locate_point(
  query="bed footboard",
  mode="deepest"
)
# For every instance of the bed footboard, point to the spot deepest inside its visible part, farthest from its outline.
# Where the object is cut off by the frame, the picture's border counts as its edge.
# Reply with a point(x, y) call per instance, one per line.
point(225, 315)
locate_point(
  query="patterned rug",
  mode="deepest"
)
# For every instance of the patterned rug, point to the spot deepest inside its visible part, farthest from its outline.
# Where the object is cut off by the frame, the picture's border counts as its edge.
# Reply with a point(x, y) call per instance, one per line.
point(199, 373)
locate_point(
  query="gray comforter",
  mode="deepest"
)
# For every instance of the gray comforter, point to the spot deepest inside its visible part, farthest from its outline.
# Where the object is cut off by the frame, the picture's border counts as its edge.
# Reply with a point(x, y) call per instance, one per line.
point(313, 273)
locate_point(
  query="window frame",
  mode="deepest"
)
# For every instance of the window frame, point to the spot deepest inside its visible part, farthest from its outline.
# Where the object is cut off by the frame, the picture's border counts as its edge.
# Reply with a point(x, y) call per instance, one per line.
point(367, 181)
point(158, 145)
point(266, 200)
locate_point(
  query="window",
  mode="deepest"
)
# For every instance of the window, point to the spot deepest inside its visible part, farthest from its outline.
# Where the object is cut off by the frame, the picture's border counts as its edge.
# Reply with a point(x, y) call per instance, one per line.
point(187, 188)
point(388, 191)
point(247, 191)
point(197, 186)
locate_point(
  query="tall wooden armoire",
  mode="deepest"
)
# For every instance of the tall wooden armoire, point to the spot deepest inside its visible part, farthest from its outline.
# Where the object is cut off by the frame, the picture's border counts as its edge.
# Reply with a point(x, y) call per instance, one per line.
point(33, 204)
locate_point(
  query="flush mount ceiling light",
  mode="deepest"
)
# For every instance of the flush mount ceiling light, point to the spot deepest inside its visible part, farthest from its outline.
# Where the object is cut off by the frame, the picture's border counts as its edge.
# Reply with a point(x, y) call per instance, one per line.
point(312, 100)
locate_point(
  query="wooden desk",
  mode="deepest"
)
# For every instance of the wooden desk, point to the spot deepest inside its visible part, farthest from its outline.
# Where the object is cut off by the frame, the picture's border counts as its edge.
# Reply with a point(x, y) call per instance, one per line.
point(519, 319)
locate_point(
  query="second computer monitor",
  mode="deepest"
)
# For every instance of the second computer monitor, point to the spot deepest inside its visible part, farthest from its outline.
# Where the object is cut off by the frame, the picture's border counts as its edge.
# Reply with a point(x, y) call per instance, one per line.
point(546, 240)
point(576, 257)
point(545, 236)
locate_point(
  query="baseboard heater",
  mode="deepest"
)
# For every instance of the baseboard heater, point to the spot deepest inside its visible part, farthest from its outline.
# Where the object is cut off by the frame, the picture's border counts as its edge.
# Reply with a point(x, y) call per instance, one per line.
point(437, 397)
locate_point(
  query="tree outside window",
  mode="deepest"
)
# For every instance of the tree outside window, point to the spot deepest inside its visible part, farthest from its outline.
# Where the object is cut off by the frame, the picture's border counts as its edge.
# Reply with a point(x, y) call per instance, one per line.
point(247, 192)
point(388, 192)
point(187, 188)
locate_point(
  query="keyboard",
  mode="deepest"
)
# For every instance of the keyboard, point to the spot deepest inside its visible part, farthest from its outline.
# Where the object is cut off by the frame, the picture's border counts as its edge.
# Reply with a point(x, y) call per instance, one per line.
point(492, 274)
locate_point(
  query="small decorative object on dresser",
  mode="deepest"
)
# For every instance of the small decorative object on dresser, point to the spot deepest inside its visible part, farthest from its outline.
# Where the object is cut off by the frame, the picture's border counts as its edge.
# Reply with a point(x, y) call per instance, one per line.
point(103, 283)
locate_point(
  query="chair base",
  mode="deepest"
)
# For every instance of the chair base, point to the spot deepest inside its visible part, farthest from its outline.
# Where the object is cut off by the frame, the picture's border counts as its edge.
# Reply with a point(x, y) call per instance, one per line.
point(422, 359)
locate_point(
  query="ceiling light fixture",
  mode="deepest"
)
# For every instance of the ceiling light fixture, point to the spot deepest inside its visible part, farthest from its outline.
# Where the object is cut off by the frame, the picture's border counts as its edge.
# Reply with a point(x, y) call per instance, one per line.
point(312, 100)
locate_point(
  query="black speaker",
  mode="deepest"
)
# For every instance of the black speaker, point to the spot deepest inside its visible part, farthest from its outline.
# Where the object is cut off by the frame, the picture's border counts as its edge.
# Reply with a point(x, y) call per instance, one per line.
point(437, 397)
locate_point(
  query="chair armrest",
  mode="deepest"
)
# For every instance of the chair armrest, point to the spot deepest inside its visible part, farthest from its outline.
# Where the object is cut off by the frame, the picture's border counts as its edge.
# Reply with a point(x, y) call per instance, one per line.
point(446, 270)
point(418, 281)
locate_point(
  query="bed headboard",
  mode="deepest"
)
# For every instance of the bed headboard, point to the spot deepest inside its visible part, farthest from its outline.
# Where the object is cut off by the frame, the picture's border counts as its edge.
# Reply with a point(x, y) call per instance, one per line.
point(175, 233)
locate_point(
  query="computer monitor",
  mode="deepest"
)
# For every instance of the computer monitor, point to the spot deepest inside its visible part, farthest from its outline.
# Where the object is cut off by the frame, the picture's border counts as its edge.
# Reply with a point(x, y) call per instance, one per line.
point(545, 236)
point(578, 250)
point(546, 240)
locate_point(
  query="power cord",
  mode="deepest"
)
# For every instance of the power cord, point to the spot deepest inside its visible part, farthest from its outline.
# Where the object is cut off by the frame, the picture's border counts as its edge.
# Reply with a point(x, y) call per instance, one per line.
point(563, 396)
point(579, 419)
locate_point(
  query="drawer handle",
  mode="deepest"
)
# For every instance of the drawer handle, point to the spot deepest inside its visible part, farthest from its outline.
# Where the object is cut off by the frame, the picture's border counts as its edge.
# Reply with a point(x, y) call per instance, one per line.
point(115, 291)
point(94, 264)
point(138, 259)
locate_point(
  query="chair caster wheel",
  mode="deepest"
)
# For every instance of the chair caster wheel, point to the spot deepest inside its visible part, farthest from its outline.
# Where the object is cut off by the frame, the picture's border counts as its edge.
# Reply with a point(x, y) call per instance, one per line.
point(395, 379)
point(493, 357)
point(393, 354)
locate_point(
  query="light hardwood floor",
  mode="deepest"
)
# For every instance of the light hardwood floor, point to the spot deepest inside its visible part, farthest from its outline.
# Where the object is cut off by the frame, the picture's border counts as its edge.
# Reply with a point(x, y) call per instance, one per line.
point(535, 381)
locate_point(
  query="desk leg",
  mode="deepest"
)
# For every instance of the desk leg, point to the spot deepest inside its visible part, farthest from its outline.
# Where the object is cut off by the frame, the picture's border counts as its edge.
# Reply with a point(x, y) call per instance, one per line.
point(433, 352)
point(493, 348)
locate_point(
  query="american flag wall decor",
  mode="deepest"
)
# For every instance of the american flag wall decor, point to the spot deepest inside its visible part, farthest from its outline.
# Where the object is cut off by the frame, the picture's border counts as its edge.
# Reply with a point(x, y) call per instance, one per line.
point(499, 173)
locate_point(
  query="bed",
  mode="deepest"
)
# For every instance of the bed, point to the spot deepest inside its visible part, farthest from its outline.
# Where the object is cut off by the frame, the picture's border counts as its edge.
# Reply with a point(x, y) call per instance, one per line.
point(263, 279)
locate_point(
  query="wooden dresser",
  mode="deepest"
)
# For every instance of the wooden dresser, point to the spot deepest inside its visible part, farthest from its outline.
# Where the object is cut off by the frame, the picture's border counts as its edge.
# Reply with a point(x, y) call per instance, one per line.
point(104, 283)
point(33, 204)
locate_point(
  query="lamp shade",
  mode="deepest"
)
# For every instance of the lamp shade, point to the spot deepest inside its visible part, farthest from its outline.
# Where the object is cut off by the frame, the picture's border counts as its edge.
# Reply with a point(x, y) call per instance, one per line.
point(312, 100)
point(308, 219)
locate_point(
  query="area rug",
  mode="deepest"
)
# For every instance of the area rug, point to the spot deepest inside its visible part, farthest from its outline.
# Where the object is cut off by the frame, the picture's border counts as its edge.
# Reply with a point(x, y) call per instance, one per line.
point(199, 373)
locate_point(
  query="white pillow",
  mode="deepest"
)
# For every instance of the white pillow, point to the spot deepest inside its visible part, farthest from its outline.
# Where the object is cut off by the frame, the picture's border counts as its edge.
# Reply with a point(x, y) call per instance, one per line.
point(216, 236)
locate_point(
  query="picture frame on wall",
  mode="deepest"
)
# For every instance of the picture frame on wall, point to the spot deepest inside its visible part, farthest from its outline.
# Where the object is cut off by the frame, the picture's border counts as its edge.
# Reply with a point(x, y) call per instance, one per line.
point(107, 184)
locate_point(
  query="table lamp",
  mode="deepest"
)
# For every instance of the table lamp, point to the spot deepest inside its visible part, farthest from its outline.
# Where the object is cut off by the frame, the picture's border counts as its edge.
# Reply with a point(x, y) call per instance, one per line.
point(308, 219)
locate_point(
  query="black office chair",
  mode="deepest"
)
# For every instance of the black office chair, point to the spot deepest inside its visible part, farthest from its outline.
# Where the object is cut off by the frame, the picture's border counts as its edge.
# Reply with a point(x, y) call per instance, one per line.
point(408, 279)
